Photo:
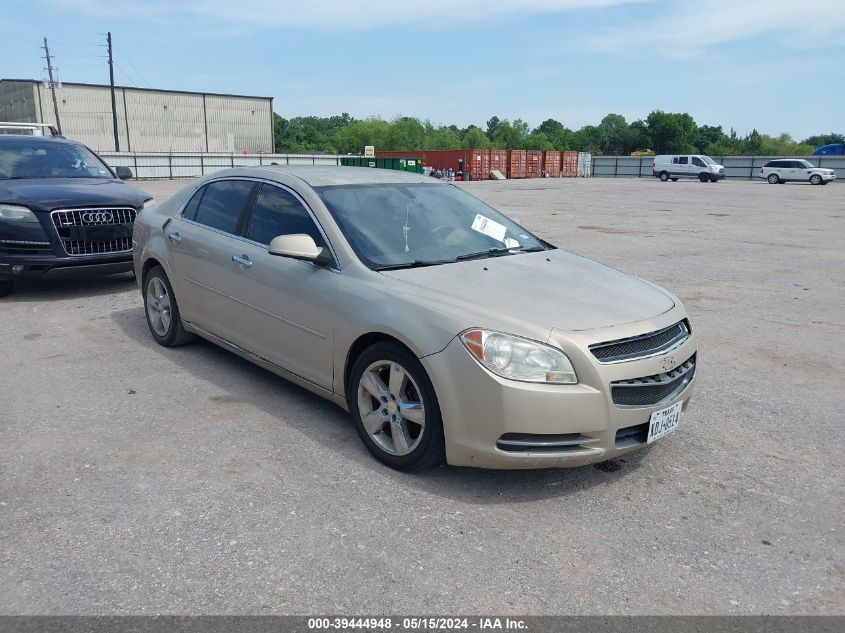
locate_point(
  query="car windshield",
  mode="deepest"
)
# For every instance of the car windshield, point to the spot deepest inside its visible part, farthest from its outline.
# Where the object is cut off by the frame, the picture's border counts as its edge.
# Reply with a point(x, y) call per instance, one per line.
point(406, 225)
point(29, 159)
point(708, 160)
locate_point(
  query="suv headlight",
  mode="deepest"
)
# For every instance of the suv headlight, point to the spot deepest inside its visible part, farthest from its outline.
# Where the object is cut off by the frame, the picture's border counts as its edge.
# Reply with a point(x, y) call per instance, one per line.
point(518, 358)
point(16, 213)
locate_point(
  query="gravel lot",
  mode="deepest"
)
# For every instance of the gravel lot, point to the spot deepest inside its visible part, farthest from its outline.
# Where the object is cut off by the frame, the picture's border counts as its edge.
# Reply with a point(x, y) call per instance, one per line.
point(136, 479)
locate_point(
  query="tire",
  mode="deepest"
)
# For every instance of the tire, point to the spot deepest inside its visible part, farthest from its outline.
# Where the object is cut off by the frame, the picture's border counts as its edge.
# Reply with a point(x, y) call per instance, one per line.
point(815, 179)
point(773, 179)
point(663, 176)
point(714, 179)
point(703, 177)
point(390, 389)
point(162, 311)
point(675, 179)
point(824, 182)
point(6, 286)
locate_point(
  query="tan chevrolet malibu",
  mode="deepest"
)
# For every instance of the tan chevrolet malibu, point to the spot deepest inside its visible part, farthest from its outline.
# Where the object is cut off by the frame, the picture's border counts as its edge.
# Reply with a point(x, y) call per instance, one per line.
point(448, 331)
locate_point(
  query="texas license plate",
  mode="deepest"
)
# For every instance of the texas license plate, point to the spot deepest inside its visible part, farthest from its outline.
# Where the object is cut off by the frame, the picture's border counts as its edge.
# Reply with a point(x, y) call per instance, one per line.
point(664, 422)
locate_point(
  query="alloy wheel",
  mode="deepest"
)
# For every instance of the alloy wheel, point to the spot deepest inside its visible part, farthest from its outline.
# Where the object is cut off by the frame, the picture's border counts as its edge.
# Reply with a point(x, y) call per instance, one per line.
point(158, 306)
point(391, 407)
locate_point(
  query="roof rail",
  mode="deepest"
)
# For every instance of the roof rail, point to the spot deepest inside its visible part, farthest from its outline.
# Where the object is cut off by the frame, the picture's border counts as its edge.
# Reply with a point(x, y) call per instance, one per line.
point(31, 129)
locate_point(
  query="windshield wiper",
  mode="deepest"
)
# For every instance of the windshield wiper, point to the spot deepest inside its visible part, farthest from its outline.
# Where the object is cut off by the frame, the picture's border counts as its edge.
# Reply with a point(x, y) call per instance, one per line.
point(416, 263)
point(495, 252)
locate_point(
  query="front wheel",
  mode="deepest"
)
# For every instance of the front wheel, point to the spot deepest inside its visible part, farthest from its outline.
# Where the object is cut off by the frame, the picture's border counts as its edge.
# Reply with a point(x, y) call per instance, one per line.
point(773, 179)
point(6, 286)
point(162, 311)
point(714, 179)
point(815, 179)
point(395, 409)
point(703, 177)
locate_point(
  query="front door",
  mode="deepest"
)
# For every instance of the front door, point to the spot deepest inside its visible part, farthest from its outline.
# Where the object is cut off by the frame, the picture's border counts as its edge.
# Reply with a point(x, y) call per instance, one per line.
point(286, 307)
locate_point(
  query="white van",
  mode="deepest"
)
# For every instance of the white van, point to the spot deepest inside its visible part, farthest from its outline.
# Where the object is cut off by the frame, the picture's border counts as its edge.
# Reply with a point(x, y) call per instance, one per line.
point(674, 166)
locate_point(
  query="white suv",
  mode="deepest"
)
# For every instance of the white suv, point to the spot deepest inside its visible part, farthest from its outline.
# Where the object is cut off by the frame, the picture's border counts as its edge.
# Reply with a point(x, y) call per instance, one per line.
point(781, 170)
point(674, 166)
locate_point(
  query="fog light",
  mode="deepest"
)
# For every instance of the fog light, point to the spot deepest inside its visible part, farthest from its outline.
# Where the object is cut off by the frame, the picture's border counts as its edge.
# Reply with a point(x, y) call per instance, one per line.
point(18, 268)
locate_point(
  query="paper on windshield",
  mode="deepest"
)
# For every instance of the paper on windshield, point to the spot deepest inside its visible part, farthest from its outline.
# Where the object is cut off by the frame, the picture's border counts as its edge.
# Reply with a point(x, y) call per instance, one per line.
point(489, 227)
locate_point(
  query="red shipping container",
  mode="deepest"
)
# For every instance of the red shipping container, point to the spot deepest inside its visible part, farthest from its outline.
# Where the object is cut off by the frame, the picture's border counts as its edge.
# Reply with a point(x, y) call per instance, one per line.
point(474, 161)
point(517, 163)
point(534, 163)
point(551, 163)
point(569, 164)
point(499, 161)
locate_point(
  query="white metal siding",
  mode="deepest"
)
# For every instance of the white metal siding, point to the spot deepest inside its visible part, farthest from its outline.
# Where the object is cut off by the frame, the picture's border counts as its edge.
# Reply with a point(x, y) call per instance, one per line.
point(148, 120)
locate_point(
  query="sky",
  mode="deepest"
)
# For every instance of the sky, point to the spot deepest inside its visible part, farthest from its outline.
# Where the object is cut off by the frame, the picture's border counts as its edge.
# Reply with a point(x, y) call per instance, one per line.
point(774, 65)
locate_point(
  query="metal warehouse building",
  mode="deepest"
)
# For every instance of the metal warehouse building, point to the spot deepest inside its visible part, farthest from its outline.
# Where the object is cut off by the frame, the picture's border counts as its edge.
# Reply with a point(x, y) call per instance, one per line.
point(148, 120)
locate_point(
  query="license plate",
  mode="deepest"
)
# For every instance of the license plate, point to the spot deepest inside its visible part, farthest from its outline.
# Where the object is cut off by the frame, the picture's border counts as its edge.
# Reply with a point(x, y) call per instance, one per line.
point(664, 422)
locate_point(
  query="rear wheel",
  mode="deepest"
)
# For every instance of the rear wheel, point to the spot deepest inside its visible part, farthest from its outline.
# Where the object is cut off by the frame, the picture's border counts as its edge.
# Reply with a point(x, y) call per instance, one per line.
point(773, 179)
point(162, 311)
point(815, 179)
point(664, 176)
point(703, 177)
point(395, 409)
point(6, 286)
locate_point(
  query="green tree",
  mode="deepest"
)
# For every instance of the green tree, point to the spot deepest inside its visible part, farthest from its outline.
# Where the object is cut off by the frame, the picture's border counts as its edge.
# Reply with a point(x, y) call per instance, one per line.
point(510, 135)
point(707, 135)
point(493, 124)
point(824, 139)
point(475, 138)
point(613, 131)
point(537, 140)
point(672, 132)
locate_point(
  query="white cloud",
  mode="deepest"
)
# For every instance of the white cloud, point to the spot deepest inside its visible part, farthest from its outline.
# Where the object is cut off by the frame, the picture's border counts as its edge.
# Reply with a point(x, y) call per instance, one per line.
point(690, 28)
point(331, 15)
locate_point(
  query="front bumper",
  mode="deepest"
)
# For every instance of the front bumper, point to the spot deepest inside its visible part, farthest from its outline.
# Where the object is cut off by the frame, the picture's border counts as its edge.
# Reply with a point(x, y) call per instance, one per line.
point(53, 267)
point(479, 408)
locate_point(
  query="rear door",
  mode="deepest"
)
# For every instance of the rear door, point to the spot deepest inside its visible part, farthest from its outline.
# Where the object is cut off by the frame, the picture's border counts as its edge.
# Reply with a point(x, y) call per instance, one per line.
point(200, 245)
point(286, 307)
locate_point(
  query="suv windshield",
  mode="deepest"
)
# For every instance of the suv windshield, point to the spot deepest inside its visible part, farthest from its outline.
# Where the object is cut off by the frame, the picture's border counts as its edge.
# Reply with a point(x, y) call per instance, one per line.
point(31, 159)
point(406, 225)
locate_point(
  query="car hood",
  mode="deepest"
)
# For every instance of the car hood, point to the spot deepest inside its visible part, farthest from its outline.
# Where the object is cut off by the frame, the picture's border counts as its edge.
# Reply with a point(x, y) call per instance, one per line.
point(52, 193)
point(549, 289)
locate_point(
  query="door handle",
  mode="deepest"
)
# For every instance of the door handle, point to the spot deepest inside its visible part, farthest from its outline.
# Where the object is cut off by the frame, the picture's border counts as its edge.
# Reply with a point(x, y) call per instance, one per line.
point(174, 237)
point(242, 260)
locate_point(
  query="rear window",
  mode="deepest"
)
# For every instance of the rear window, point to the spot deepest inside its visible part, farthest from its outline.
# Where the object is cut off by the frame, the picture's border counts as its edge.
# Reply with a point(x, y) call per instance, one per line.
point(223, 203)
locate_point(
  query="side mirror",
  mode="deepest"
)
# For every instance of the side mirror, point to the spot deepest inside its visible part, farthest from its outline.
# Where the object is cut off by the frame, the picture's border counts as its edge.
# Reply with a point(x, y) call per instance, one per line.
point(298, 246)
point(124, 173)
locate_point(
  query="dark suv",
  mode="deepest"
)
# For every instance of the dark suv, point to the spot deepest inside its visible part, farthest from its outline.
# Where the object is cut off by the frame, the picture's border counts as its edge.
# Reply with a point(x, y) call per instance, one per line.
point(63, 211)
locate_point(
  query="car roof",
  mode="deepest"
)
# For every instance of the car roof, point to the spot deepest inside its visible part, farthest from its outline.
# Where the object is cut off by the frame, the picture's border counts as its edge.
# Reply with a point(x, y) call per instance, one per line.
point(31, 138)
point(328, 175)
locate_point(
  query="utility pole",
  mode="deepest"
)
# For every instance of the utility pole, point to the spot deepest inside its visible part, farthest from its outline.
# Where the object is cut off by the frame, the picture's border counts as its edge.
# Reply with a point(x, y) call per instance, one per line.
point(52, 86)
point(113, 106)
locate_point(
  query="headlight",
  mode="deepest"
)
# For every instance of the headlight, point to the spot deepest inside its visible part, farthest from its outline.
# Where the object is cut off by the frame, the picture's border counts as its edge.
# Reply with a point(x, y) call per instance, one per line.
point(15, 213)
point(151, 202)
point(518, 358)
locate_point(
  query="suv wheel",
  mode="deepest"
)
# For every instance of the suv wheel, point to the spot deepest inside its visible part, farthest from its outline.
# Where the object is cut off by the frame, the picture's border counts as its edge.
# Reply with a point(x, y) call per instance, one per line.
point(6, 286)
point(395, 409)
point(703, 177)
point(773, 179)
point(162, 311)
point(815, 179)
point(664, 176)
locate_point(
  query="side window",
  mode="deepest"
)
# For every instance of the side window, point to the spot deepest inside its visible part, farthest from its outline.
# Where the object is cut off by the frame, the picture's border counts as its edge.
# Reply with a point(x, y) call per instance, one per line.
point(683, 159)
point(190, 210)
point(223, 203)
point(278, 212)
point(697, 161)
point(674, 160)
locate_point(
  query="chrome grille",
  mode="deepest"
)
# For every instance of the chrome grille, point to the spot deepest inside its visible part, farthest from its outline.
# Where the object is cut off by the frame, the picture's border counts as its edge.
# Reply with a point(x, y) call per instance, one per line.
point(642, 346)
point(649, 391)
point(86, 231)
